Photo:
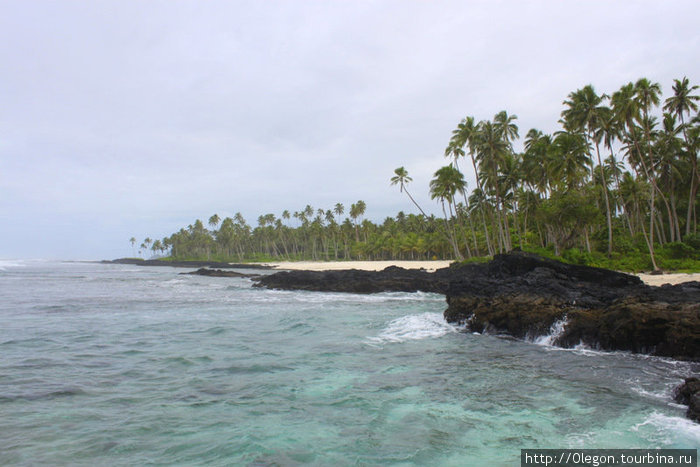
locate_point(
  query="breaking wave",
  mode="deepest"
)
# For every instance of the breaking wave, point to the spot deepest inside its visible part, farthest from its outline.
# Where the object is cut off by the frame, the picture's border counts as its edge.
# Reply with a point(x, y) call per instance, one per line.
point(414, 327)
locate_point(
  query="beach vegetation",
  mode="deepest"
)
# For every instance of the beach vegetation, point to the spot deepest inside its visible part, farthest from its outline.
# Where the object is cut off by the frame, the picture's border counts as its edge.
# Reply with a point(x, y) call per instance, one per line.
point(616, 186)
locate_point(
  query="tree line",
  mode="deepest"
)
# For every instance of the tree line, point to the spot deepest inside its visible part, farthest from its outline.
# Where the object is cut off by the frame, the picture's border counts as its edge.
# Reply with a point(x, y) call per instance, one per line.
point(618, 180)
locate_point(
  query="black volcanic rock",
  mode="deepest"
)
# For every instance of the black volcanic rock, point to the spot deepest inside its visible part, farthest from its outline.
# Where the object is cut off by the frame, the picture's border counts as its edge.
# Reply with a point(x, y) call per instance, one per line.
point(391, 279)
point(522, 294)
point(219, 273)
point(688, 394)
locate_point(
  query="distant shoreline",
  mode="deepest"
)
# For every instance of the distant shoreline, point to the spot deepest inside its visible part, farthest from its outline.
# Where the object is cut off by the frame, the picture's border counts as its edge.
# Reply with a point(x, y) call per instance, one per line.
point(430, 266)
point(186, 264)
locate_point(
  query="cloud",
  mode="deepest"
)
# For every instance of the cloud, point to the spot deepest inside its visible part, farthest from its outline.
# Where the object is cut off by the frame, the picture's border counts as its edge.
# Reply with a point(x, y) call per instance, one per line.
point(133, 118)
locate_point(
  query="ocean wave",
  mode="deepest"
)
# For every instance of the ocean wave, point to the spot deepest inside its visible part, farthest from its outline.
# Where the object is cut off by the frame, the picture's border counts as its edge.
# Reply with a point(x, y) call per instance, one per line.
point(414, 327)
point(555, 332)
point(343, 297)
point(6, 264)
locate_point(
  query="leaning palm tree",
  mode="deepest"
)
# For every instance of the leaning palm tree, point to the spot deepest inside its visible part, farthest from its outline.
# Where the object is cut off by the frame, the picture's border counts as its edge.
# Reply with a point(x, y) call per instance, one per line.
point(401, 178)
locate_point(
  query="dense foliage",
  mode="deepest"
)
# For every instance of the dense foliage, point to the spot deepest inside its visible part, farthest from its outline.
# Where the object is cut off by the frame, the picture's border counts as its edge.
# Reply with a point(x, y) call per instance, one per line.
point(616, 186)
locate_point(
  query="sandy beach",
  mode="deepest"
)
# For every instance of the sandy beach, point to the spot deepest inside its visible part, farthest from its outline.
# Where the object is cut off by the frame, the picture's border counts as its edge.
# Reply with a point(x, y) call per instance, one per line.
point(674, 278)
point(429, 266)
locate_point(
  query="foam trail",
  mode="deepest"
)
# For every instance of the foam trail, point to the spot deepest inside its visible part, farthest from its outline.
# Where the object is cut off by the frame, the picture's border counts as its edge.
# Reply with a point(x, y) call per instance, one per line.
point(414, 327)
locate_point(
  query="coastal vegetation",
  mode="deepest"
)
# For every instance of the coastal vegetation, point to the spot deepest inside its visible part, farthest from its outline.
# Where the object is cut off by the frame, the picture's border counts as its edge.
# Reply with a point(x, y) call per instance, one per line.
point(616, 186)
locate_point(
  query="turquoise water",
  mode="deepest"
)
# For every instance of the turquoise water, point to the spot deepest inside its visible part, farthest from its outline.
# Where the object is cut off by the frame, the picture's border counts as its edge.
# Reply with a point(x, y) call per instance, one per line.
point(120, 365)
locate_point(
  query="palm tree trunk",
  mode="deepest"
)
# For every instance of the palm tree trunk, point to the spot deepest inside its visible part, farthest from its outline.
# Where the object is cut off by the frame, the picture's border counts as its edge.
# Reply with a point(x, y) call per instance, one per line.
point(692, 193)
point(471, 227)
point(414, 202)
point(650, 240)
point(483, 216)
point(607, 200)
point(651, 230)
point(451, 239)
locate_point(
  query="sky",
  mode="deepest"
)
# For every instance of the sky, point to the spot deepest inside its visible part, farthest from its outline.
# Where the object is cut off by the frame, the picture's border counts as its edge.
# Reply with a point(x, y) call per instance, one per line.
point(123, 118)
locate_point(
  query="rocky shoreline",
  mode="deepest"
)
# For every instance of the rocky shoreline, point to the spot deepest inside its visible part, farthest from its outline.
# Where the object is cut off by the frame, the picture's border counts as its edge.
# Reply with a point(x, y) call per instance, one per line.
point(523, 295)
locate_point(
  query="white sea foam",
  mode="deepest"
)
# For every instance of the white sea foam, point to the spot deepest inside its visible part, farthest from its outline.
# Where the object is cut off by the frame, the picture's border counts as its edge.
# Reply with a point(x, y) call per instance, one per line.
point(414, 327)
point(288, 296)
point(674, 427)
point(662, 395)
point(555, 331)
point(6, 264)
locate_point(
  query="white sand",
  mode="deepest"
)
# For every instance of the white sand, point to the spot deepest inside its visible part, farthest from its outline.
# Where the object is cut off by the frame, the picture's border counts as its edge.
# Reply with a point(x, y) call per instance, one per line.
point(363, 265)
point(433, 265)
point(669, 278)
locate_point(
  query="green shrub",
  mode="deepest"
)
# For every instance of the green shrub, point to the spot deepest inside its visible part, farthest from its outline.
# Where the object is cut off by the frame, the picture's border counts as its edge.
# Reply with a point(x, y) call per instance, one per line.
point(693, 241)
point(679, 250)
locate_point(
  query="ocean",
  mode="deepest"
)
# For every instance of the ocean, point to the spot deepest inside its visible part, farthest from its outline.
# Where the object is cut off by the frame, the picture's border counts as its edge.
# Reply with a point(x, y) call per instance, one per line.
point(121, 365)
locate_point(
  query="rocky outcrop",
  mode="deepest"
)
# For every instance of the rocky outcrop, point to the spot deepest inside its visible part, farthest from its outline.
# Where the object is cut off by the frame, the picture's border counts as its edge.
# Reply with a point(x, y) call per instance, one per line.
point(391, 279)
point(523, 295)
point(219, 273)
point(688, 394)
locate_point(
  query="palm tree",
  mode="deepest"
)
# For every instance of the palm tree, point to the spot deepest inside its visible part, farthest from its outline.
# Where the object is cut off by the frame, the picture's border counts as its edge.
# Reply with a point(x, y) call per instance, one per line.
point(585, 112)
point(401, 178)
point(628, 109)
point(356, 211)
point(505, 126)
point(668, 146)
point(447, 182)
point(214, 221)
point(491, 149)
point(536, 161)
point(683, 102)
point(571, 161)
point(132, 240)
point(465, 135)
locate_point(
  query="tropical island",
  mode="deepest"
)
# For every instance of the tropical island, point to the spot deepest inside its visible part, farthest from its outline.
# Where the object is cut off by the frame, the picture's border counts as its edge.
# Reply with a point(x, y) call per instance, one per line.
point(615, 187)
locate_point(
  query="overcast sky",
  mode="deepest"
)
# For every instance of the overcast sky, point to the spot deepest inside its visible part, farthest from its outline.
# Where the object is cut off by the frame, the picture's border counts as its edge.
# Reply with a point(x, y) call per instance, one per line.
point(134, 118)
